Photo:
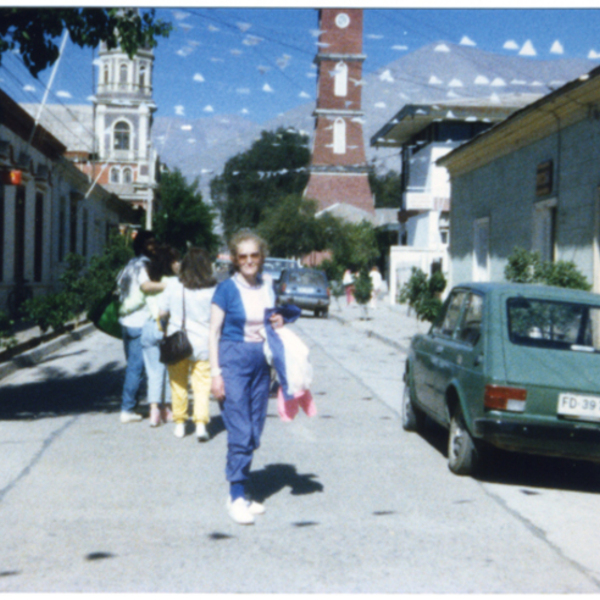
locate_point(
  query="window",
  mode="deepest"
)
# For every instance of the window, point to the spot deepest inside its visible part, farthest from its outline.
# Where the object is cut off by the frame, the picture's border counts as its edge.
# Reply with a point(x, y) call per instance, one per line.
point(470, 328)
point(339, 136)
point(123, 73)
point(61, 229)
point(73, 225)
point(121, 136)
point(142, 81)
point(340, 86)
point(115, 175)
point(84, 232)
point(105, 74)
point(447, 321)
point(127, 176)
point(544, 229)
point(19, 253)
point(481, 250)
point(38, 238)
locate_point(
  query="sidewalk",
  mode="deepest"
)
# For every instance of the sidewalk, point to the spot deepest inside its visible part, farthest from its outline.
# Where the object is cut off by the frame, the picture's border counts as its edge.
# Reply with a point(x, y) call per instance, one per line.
point(389, 323)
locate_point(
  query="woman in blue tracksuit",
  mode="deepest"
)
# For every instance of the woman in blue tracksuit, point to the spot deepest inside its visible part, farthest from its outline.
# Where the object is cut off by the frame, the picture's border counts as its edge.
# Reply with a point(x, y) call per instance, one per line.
point(239, 371)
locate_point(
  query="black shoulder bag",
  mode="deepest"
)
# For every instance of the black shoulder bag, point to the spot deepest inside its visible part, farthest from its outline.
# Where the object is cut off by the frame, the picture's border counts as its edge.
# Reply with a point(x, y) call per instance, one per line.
point(176, 347)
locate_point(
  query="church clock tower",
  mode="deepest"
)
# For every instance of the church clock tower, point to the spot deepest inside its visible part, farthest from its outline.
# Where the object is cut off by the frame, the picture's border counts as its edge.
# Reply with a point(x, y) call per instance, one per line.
point(125, 159)
point(339, 171)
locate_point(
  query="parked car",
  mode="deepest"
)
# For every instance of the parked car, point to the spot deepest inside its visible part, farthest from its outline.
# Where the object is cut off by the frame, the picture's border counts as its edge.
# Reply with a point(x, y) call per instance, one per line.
point(306, 288)
point(274, 267)
point(513, 366)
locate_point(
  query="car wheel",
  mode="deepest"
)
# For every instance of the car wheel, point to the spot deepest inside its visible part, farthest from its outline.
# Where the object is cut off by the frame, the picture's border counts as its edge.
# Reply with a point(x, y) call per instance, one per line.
point(412, 418)
point(462, 454)
point(317, 313)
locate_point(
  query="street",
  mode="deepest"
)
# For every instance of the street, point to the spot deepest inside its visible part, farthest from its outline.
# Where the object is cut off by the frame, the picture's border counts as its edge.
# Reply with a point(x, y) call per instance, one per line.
point(354, 503)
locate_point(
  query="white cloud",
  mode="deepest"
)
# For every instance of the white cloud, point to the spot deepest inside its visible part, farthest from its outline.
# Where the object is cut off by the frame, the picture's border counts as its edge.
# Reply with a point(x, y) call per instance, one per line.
point(441, 48)
point(186, 128)
point(498, 82)
point(386, 76)
point(213, 59)
point(537, 84)
point(527, 49)
point(198, 77)
point(186, 26)
point(185, 51)
point(495, 98)
point(235, 52)
point(180, 110)
point(28, 88)
point(311, 74)
point(450, 115)
point(455, 83)
point(244, 111)
point(433, 80)
point(518, 82)
point(303, 95)
point(593, 54)
point(481, 80)
point(96, 62)
point(511, 45)
point(557, 48)
point(192, 140)
point(180, 15)
point(399, 47)
point(243, 90)
point(467, 41)
point(267, 88)
point(208, 108)
point(373, 36)
point(89, 98)
point(251, 40)
point(63, 94)
point(213, 28)
point(452, 94)
point(243, 27)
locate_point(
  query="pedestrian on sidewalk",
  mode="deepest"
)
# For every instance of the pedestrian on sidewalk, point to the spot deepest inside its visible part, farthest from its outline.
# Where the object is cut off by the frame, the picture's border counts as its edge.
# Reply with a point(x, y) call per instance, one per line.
point(376, 281)
point(188, 298)
point(240, 373)
point(162, 268)
point(133, 314)
point(348, 283)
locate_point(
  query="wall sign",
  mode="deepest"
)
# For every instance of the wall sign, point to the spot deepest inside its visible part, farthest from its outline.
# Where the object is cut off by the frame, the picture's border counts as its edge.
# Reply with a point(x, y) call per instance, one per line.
point(543, 179)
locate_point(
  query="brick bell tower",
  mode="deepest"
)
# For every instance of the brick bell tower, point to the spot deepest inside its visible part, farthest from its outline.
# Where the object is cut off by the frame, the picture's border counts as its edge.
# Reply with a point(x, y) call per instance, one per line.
point(338, 170)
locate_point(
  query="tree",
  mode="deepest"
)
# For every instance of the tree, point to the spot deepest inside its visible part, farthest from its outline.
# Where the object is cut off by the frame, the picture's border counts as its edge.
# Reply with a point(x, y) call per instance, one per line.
point(363, 287)
point(291, 228)
point(183, 219)
point(354, 245)
point(33, 31)
point(386, 189)
point(255, 181)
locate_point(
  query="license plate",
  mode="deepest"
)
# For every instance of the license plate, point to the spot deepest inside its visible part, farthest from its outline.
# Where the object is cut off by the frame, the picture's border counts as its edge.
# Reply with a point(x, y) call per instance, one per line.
point(578, 406)
point(305, 290)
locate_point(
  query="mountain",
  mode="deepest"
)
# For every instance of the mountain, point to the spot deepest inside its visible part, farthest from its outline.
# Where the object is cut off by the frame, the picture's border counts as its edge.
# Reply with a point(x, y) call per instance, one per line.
point(437, 72)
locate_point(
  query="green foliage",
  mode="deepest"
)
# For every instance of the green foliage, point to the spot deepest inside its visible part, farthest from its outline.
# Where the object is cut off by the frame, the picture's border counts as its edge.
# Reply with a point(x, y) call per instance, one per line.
point(33, 31)
point(255, 181)
point(183, 219)
point(363, 286)
point(7, 337)
point(81, 288)
point(291, 228)
point(423, 294)
point(527, 267)
point(334, 272)
point(354, 245)
point(386, 189)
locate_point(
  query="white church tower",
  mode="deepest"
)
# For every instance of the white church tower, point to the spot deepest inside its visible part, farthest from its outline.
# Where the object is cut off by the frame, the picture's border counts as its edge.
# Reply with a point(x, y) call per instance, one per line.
point(123, 111)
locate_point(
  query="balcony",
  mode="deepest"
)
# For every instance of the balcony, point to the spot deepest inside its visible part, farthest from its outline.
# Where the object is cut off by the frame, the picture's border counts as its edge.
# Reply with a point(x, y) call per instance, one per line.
point(420, 199)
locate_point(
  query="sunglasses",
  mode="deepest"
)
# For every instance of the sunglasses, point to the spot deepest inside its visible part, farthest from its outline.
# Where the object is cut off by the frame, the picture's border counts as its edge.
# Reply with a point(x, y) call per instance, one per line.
point(245, 257)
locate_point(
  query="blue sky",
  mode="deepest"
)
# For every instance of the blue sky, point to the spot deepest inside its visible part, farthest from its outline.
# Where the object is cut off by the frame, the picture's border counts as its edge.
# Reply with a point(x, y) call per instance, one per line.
point(258, 62)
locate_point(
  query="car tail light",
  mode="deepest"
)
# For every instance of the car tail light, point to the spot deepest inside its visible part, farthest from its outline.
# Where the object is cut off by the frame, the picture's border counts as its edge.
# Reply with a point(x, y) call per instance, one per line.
point(328, 292)
point(499, 397)
point(283, 287)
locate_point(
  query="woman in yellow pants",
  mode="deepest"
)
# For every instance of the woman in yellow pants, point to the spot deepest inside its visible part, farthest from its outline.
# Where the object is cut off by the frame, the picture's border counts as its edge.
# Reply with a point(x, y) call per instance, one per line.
point(186, 303)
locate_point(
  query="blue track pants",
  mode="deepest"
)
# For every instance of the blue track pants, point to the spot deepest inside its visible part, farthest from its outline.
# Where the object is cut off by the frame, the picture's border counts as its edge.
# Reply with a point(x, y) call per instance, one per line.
point(246, 375)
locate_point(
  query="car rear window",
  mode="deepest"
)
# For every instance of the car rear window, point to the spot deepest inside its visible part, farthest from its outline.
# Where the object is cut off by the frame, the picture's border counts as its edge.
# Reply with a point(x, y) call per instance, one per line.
point(552, 324)
point(307, 278)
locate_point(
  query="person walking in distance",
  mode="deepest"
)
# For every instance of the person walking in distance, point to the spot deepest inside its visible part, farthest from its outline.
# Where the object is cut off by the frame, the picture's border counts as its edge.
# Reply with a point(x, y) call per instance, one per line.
point(186, 304)
point(133, 314)
point(239, 370)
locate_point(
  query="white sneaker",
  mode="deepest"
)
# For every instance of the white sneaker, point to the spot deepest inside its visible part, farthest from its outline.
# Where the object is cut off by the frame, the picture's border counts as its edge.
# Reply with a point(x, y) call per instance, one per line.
point(130, 417)
point(201, 432)
point(239, 511)
point(256, 508)
point(179, 430)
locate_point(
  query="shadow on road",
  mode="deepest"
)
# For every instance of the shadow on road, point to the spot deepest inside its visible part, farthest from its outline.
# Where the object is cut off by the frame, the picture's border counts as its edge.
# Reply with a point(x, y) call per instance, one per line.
point(61, 393)
point(274, 478)
point(528, 470)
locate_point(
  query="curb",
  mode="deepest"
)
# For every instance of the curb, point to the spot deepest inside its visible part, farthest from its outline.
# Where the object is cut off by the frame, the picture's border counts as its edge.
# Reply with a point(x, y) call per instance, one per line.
point(371, 333)
point(34, 356)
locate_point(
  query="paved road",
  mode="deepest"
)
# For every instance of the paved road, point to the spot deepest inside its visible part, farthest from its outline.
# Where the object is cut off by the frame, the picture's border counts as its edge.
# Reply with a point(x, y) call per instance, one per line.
point(353, 503)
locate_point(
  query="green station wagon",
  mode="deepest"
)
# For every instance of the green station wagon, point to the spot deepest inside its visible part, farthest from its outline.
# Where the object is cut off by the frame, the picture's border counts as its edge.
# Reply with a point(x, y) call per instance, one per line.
point(513, 366)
